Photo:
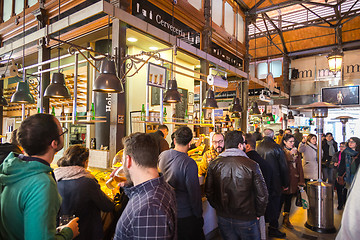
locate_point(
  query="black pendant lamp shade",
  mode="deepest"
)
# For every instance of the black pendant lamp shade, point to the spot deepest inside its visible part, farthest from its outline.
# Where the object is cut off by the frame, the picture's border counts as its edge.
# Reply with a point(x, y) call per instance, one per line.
point(235, 115)
point(290, 116)
point(235, 105)
point(22, 94)
point(57, 87)
point(107, 81)
point(271, 117)
point(172, 95)
point(3, 101)
point(254, 109)
point(210, 102)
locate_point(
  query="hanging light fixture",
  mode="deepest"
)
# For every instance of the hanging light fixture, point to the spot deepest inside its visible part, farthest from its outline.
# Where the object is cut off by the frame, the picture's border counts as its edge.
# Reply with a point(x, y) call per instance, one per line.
point(291, 116)
point(172, 95)
point(235, 115)
point(3, 101)
point(335, 59)
point(57, 87)
point(22, 94)
point(271, 117)
point(235, 105)
point(108, 81)
point(210, 102)
point(254, 109)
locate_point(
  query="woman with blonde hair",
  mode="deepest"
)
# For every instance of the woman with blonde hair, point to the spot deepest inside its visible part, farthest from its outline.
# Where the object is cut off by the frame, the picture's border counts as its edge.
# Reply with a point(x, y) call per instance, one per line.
point(81, 193)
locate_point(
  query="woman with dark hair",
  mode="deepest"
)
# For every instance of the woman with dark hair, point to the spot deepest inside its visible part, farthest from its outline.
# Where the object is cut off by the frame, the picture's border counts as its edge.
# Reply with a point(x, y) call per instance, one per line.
point(308, 148)
point(352, 158)
point(296, 176)
point(81, 193)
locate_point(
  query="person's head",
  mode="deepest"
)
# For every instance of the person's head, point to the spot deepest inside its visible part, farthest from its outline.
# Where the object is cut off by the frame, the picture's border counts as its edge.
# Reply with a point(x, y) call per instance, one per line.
point(288, 141)
point(183, 136)
point(257, 129)
point(218, 142)
point(281, 132)
point(234, 139)
point(13, 139)
point(354, 143)
point(342, 146)
point(41, 133)
point(288, 131)
point(329, 136)
point(75, 155)
point(164, 129)
point(322, 137)
point(268, 132)
point(140, 151)
point(311, 138)
point(296, 130)
point(250, 142)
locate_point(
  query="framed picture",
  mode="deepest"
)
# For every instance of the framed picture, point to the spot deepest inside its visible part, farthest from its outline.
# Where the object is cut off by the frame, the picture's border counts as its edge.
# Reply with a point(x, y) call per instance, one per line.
point(156, 76)
point(182, 106)
point(348, 95)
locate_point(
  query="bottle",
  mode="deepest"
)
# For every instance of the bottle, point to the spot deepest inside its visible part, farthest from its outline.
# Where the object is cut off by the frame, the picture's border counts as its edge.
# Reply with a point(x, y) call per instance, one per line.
point(93, 143)
point(186, 118)
point(143, 113)
point(165, 115)
point(202, 117)
point(196, 120)
point(62, 114)
point(92, 111)
point(53, 111)
point(38, 110)
point(174, 117)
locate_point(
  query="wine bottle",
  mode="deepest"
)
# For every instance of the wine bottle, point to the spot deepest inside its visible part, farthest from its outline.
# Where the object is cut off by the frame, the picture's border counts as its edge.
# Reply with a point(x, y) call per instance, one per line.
point(62, 114)
point(53, 111)
point(186, 118)
point(165, 115)
point(92, 111)
point(143, 113)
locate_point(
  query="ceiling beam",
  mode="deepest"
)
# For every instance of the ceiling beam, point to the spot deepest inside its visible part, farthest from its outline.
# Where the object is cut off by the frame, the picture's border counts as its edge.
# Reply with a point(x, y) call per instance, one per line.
point(286, 4)
point(330, 24)
point(278, 31)
point(268, 38)
point(320, 50)
point(254, 8)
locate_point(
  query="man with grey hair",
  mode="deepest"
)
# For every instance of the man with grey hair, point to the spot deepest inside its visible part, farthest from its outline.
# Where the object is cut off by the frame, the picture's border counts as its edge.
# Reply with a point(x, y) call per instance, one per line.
point(269, 150)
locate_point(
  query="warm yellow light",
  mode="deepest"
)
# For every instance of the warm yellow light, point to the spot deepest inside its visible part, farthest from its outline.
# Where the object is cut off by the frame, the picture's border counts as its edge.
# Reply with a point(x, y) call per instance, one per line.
point(131, 39)
point(153, 48)
point(335, 62)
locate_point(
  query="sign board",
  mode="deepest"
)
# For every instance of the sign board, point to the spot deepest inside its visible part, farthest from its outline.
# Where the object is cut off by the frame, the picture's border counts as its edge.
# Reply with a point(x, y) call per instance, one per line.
point(156, 76)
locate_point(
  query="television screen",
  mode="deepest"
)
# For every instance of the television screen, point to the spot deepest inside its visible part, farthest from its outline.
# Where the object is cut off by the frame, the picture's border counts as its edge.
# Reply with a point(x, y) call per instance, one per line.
point(348, 95)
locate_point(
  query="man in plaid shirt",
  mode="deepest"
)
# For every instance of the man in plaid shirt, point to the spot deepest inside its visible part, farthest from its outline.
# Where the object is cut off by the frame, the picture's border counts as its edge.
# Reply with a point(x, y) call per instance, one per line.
point(151, 210)
point(216, 149)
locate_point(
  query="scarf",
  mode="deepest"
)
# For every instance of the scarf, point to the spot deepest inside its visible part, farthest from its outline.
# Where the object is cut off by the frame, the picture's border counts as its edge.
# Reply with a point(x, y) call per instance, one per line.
point(331, 148)
point(71, 173)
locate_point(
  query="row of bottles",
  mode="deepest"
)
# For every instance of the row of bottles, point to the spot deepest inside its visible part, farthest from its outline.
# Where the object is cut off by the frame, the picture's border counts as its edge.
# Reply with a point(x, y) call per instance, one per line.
point(63, 115)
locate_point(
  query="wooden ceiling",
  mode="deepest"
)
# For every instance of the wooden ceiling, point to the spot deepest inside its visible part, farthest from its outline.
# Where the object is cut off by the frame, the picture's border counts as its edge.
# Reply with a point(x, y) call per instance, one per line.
point(299, 28)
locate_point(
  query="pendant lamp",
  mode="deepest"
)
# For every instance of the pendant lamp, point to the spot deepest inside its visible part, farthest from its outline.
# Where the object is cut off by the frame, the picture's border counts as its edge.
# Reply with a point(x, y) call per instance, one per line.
point(235, 105)
point(290, 116)
point(107, 81)
point(235, 115)
point(22, 94)
point(271, 117)
point(57, 87)
point(335, 59)
point(254, 109)
point(210, 102)
point(3, 101)
point(172, 95)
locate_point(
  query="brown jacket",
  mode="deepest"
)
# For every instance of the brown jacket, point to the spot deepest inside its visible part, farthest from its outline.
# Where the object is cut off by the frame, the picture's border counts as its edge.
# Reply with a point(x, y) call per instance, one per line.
point(296, 173)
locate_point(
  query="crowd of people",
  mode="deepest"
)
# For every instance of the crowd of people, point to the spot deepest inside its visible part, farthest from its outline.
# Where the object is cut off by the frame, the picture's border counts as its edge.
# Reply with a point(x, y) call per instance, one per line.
point(249, 180)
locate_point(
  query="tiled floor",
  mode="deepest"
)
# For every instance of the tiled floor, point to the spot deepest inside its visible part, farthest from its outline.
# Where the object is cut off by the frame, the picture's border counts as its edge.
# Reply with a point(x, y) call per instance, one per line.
point(298, 217)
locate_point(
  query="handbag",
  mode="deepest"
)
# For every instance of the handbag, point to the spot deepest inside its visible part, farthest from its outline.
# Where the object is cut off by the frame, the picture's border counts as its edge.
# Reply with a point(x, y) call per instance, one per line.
point(298, 201)
point(304, 199)
point(340, 180)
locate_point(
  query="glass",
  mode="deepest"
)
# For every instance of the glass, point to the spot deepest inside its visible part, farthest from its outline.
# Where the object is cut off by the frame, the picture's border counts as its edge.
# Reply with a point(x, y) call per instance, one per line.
point(65, 219)
point(119, 176)
point(64, 131)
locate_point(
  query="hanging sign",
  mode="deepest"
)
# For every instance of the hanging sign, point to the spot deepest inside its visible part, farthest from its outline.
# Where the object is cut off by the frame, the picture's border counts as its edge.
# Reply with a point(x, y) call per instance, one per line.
point(156, 76)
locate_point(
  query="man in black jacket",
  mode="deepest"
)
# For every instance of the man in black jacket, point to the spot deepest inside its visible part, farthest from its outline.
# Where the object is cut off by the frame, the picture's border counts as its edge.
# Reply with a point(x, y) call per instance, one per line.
point(274, 155)
point(236, 189)
point(329, 148)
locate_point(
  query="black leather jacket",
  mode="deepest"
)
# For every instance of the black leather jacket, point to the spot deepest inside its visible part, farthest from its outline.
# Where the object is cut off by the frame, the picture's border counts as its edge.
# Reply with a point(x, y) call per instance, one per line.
point(236, 188)
point(275, 156)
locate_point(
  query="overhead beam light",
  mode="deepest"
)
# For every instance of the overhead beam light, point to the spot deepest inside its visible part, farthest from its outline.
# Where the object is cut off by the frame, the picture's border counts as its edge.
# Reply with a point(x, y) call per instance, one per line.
point(153, 48)
point(335, 59)
point(131, 39)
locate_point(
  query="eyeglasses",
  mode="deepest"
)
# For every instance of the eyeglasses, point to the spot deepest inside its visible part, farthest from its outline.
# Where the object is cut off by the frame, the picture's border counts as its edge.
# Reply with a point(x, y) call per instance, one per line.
point(64, 131)
point(291, 141)
point(218, 142)
point(351, 141)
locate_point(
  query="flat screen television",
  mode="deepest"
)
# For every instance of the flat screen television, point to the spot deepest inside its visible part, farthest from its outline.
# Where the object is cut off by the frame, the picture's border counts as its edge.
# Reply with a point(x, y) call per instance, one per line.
point(348, 95)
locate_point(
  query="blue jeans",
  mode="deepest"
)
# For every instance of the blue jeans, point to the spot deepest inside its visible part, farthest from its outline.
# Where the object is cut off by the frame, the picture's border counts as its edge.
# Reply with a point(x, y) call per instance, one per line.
point(234, 229)
point(328, 174)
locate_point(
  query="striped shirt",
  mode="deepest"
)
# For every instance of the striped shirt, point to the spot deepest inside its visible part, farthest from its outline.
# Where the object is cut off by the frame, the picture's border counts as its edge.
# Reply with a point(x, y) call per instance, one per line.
point(150, 212)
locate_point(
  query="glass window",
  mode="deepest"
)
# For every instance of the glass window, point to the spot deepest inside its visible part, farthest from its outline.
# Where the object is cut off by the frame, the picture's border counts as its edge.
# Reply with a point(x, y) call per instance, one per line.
point(262, 70)
point(19, 6)
point(229, 18)
point(8, 4)
point(195, 3)
point(240, 28)
point(32, 2)
point(276, 68)
point(216, 10)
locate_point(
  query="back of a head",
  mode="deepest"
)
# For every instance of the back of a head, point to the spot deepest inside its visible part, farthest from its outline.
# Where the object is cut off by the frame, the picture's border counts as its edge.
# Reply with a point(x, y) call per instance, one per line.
point(14, 138)
point(233, 139)
point(257, 129)
point(142, 148)
point(75, 155)
point(268, 133)
point(36, 133)
point(163, 127)
point(281, 132)
point(183, 136)
point(297, 130)
point(250, 140)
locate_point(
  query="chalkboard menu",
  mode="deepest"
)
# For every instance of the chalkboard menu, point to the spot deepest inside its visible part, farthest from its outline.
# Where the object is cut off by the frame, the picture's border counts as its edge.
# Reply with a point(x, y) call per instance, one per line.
point(182, 106)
